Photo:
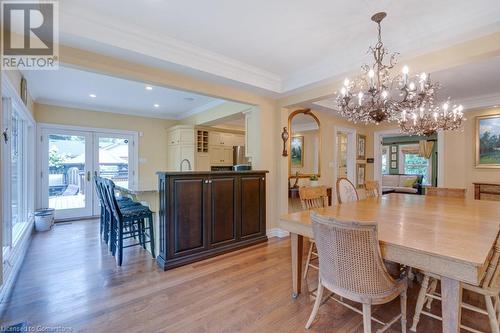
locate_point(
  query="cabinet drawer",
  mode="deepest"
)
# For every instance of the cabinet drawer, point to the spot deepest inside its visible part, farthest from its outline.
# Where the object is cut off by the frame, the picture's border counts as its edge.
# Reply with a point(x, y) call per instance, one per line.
point(490, 189)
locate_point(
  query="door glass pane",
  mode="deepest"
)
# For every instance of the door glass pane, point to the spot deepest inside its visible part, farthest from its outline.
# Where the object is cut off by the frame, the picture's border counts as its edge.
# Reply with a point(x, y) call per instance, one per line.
point(113, 159)
point(341, 155)
point(66, 171)
point(385, 160)
point(17, 171)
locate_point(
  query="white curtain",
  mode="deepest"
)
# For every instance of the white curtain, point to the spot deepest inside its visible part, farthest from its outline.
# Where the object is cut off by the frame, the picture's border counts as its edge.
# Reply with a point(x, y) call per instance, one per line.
point(425, 148)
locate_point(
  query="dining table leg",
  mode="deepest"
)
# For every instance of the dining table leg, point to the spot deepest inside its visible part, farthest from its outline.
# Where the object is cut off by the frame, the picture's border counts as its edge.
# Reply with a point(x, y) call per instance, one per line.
point(297, 252)
point(451, 293)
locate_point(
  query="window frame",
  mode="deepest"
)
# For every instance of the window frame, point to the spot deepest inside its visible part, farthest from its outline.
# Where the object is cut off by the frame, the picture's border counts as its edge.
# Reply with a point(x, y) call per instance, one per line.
point(402, 162)
point(12, 104)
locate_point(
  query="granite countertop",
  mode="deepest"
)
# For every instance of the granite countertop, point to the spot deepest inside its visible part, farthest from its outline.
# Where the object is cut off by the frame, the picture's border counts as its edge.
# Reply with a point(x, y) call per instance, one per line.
point(198, 173)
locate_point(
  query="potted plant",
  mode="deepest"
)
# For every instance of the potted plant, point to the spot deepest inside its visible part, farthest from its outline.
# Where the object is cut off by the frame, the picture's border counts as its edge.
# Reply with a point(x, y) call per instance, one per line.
point(314, 180)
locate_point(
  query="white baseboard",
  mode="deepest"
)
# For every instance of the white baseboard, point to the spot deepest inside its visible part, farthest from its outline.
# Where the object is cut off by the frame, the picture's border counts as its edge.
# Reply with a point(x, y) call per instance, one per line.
point(277, 232)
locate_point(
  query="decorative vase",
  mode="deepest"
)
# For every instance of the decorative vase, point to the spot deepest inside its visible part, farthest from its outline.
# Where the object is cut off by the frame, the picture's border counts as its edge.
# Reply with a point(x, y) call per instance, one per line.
point(314, 183)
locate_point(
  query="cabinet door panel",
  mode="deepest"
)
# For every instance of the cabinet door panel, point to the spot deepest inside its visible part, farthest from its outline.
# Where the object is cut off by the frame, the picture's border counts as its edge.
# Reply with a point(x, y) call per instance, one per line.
point(228, 156)
point(188, 232)
point(252, 206)
point(223, 210)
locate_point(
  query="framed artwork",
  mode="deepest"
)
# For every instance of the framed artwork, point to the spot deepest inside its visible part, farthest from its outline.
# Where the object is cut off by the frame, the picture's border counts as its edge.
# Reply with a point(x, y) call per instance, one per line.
point(361, 147)
point(394, 149)
point(488, 141)
point(394, 157)
point(394, 165)
point(297, 152)
point(24, 91)
point(360, 174)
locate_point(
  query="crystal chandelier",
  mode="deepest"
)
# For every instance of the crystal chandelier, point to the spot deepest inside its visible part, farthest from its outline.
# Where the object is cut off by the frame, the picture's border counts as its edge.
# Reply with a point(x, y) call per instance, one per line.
point(369, 98)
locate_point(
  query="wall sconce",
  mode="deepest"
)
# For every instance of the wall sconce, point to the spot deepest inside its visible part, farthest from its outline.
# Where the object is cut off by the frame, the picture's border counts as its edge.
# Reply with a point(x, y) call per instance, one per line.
point(284, 137)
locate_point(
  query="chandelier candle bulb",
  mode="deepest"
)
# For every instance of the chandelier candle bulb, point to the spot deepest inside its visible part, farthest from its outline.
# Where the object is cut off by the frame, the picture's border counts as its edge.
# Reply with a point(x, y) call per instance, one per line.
point(406, 70)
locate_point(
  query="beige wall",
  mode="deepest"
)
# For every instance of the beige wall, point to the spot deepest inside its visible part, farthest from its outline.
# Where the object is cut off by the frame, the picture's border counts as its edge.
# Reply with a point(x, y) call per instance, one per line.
point(459, 158)
point(152, 144)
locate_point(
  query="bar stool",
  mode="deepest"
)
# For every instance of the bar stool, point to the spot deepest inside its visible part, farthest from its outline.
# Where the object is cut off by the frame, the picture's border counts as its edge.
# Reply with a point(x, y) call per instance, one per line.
point(128, 222)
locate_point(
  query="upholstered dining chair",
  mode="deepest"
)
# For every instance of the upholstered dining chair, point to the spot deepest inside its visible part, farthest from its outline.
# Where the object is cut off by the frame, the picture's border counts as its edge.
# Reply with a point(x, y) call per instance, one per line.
point(445, 192)
point(489, 289)
point(346, 192)
point(351, 266)
point(310, 198)
point(372, 188)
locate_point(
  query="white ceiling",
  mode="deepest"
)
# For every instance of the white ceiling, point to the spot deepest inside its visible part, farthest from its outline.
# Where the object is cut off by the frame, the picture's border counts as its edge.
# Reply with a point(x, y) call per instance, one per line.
point(275, 46)
point(473, 85)
point(72, 87)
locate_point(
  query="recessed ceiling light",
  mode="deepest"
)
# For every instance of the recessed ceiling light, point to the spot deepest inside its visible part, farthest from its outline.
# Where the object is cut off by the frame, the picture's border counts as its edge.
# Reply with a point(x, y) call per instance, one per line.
point(149, 88)
point(92, 95)
point(156, 105)
point(189, 99)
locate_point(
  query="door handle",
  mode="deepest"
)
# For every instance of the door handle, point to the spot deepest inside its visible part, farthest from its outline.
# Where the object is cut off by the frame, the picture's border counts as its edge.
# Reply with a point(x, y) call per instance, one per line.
point(88, 176)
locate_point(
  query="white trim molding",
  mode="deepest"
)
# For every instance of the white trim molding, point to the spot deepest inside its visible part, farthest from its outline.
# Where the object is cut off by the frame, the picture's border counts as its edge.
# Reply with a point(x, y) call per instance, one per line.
point(164, 48)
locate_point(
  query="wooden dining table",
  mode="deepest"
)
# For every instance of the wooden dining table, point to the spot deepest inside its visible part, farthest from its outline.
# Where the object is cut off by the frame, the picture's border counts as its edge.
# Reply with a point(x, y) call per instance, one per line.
point(450, 237)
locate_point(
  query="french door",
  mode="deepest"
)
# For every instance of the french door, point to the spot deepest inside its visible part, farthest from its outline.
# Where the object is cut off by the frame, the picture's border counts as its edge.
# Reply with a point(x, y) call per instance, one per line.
point(69, 160)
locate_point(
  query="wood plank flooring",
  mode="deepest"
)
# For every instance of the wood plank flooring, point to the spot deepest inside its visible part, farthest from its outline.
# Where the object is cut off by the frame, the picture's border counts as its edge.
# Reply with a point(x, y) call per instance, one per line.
point(69, 279)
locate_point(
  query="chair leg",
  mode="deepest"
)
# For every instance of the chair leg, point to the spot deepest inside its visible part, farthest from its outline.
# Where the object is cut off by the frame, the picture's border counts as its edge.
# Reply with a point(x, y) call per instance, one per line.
point(492, 314)
point(151, 236)
point(367, 318)
point(403, 311)
point(317, 303)
point(119, 256)
point(420, 302)
point(142, 231)
point(308, 260)
point(432, 290)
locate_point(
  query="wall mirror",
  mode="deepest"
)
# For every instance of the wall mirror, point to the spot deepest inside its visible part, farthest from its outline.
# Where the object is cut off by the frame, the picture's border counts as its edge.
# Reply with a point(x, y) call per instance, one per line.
point(304, 145)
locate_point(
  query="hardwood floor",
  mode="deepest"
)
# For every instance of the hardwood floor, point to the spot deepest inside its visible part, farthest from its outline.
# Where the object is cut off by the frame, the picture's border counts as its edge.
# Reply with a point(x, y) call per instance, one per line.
point(68, 279)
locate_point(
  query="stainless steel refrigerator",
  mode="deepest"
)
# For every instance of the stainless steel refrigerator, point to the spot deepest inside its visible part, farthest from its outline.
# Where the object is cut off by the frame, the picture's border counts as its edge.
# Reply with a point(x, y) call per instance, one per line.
point(239, 156)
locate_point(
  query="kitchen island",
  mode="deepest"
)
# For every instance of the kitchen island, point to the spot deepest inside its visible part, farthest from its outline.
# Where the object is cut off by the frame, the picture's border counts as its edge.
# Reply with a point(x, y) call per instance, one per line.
point(204, 214)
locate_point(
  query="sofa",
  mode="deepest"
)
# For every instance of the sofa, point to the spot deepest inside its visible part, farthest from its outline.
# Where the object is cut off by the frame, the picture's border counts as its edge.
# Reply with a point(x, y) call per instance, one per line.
point(399, 184)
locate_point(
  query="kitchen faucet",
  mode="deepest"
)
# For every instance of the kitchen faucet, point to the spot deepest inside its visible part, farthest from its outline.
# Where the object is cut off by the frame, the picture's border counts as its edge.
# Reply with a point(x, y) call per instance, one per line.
point(189, 164)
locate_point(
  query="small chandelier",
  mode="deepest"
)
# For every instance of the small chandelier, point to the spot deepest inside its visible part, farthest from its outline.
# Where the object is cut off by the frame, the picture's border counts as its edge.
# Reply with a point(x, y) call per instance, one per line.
point(369, 98)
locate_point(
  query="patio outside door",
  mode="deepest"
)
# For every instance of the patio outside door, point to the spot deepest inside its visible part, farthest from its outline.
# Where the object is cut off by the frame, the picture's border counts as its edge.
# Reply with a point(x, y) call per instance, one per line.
point(70, 158)
point(66, 173)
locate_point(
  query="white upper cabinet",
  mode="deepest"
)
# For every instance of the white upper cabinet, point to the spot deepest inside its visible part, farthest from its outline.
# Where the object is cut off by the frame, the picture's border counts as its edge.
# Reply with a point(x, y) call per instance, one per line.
point(225, 139)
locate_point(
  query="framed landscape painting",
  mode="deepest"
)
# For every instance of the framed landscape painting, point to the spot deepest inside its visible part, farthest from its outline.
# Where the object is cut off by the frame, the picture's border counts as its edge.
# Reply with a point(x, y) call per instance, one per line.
point(297, 152)
point(488, 141)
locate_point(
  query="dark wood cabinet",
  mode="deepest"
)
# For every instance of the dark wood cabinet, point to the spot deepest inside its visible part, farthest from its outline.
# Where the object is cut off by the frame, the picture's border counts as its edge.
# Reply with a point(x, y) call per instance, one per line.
point(206, 214)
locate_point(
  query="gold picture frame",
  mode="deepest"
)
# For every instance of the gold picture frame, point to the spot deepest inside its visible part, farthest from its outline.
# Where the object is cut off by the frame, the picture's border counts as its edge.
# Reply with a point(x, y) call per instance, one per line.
point(360, 175)
point(361, 147)
point(297, 151)
point(488, 151)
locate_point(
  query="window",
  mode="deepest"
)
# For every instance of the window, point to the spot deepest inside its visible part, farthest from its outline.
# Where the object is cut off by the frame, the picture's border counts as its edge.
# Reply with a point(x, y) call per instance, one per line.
point(413, 163)
point(18, 170)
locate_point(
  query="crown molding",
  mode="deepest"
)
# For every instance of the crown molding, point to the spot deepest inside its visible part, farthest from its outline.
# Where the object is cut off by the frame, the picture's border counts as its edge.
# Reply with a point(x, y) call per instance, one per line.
point(81, 106)
point(476, 102)
point(200, 109)
point(103, 30)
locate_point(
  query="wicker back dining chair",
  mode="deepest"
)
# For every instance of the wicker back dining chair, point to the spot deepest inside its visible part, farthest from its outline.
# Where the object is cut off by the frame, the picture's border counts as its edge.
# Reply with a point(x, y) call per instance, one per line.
point(351, 266)
point(346, 192)
point(372, 188)
point(310, 198)
point(489, 289)
point(445, 192)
